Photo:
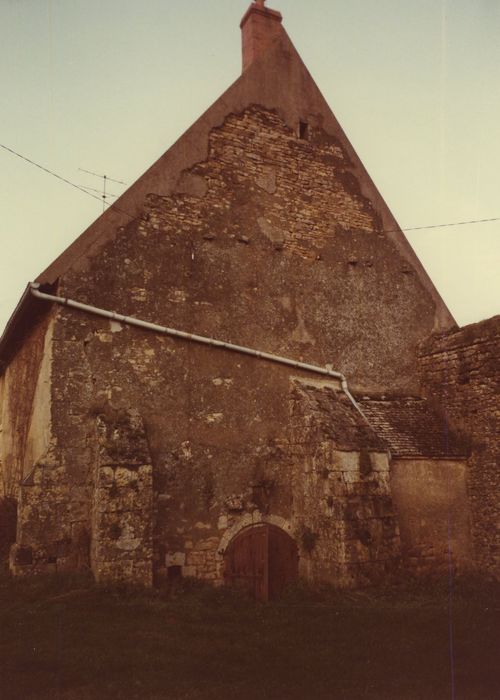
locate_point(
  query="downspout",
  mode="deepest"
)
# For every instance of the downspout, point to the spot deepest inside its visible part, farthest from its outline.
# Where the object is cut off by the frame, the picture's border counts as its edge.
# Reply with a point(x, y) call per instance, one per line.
point(203, 340)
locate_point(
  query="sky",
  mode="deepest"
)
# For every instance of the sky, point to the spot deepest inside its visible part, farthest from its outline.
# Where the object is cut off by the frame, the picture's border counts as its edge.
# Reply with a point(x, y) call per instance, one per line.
point(109, 86)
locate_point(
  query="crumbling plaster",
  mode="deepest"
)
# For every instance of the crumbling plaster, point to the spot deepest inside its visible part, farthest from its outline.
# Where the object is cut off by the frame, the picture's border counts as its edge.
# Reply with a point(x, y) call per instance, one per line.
point(39, 437)
point(207, 265)
point(277, 81)
point(25, 415)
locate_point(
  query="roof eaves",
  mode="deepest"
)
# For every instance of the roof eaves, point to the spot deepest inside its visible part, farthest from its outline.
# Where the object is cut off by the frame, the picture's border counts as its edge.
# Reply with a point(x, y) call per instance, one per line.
point(27, 312)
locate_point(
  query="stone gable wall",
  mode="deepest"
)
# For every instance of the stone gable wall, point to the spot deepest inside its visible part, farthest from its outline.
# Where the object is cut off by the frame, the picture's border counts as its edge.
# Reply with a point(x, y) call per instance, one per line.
point(461, 371)
point(268, 243)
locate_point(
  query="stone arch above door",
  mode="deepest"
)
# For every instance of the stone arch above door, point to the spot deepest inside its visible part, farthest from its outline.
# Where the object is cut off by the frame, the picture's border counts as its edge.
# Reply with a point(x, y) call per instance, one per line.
point(248, 520)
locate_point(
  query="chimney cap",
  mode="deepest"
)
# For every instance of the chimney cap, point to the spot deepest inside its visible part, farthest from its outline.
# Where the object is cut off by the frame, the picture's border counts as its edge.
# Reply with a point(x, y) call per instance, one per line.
point(259, 7)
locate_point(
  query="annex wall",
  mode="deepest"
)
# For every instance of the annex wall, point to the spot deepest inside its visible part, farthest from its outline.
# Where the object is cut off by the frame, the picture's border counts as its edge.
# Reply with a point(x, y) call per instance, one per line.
point(430, 498)
point(461, 371)
point(343, 509)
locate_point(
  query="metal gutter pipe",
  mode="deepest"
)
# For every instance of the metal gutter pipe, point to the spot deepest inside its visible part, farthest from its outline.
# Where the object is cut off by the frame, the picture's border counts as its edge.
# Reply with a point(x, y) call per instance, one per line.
point(203, 340)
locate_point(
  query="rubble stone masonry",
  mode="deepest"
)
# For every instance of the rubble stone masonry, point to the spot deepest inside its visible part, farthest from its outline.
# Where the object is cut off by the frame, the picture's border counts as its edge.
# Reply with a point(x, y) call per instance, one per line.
point(157, 446)
point(142, 456)
point(461, 370)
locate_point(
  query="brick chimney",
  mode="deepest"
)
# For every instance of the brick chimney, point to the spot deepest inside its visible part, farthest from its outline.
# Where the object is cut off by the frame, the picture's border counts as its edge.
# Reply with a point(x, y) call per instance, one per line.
point(259, 27)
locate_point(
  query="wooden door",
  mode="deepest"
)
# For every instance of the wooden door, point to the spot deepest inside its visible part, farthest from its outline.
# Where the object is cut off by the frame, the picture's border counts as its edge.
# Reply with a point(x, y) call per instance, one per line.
point(261, 560)
point(283, 561)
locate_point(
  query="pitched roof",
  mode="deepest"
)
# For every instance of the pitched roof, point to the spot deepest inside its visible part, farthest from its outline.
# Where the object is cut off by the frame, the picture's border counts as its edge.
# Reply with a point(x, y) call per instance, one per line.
point(410, 427)
point(407, 426)
point(28, 312)
point(328, 413)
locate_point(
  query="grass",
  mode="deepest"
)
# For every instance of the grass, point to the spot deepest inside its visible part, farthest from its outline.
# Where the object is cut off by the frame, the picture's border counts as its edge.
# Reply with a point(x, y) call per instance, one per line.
point(68, 639)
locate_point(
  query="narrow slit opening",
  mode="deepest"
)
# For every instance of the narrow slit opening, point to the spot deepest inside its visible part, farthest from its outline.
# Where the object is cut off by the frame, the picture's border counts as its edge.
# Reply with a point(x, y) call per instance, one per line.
point(303, 131)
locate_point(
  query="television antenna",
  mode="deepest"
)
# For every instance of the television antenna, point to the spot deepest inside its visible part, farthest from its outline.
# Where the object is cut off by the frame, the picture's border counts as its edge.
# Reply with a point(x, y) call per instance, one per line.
point(105, 179)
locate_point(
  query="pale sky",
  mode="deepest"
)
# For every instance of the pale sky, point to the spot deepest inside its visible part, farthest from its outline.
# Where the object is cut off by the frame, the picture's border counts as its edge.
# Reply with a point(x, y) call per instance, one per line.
point(109, 86)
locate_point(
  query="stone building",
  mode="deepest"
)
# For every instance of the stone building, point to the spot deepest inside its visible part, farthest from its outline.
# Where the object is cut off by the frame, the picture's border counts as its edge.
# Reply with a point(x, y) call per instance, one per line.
point(241, 372)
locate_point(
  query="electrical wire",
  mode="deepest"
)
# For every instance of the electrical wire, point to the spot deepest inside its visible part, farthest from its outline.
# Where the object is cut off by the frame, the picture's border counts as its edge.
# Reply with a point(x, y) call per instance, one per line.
point(63, 179)
point(50, 172)
point(99, 199)
point(451, 223)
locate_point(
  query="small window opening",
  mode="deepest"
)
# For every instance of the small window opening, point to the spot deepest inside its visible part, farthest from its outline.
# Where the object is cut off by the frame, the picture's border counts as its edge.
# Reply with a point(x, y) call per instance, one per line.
point(365, 464)
point(174, 573)
point(304, 131)
point(24, 556)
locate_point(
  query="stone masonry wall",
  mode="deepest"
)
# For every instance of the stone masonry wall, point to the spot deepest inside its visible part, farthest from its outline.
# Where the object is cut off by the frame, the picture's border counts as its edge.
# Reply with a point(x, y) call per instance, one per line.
point(430, 497)
point(461, 370)
point(268, 243)
point(122, 509)
point(343, 509)
point(173, 444)
point(55, 497)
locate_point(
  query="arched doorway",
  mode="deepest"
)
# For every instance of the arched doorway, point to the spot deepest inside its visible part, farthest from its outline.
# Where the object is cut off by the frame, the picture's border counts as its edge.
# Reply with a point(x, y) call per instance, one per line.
point(261, 560)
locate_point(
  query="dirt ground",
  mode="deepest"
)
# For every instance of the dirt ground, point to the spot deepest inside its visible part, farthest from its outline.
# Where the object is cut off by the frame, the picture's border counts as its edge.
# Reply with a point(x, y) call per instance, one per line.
point(68, 639)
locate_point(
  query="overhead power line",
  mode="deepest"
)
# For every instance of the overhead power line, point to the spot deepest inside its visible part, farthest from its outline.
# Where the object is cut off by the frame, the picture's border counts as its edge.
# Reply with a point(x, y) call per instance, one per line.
point(63, 179)
point(99, 199)
point(50, 172)
point(451, 223)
